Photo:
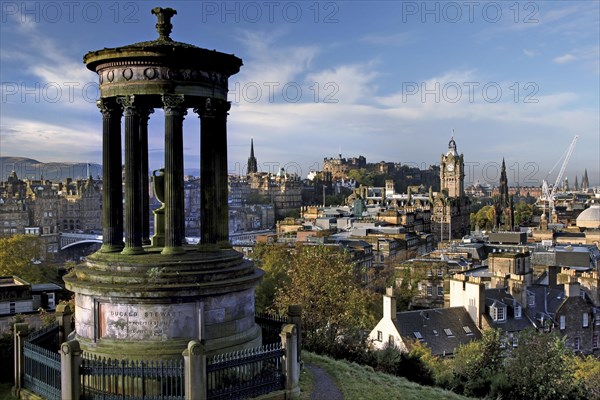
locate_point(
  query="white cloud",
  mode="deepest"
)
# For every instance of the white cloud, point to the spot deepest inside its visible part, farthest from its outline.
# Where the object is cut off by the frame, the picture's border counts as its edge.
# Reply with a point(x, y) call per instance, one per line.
point(530, 53)
point(51, 142)
point(272, 66)
point(564, 59)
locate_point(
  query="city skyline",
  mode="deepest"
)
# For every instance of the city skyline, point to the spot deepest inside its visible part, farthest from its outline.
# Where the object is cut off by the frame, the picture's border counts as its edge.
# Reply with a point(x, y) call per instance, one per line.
point(386, 80)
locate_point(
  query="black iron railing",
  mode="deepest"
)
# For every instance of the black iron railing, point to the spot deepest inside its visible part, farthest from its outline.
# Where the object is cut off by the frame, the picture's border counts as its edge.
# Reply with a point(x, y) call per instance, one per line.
point(246, 373)
point(109, 379)
point(41, 371)
point(271, 326)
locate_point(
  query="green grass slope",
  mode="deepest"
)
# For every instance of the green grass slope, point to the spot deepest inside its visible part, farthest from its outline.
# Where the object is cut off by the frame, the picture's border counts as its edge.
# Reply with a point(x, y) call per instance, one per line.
point(358, 382)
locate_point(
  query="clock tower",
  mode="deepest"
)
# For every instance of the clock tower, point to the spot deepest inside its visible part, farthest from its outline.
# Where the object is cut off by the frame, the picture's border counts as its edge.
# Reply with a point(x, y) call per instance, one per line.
point(451, 207)
point(452, 175)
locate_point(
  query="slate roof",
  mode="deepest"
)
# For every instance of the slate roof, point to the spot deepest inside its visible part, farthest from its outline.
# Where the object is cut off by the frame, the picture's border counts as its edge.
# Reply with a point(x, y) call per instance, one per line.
point(440, 329)
point(511, 324)
point(547, 301)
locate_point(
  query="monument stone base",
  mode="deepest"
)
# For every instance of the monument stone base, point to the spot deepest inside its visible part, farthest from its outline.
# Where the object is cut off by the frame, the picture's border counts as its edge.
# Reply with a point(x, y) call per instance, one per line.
point(149, 306)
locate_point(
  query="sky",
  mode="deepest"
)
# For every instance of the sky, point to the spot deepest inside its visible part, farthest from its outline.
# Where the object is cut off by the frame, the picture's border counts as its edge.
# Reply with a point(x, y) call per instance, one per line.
point(388, 80)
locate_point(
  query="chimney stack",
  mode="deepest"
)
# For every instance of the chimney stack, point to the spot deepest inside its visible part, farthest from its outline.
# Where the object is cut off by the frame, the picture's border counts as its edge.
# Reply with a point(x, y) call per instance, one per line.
point(389, 304)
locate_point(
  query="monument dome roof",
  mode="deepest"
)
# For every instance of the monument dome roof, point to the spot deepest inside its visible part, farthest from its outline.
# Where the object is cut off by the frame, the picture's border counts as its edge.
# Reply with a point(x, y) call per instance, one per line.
point(590, 218)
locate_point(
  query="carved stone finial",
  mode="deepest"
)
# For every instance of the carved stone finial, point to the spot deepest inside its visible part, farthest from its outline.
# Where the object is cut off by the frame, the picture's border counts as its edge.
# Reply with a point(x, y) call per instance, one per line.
point(163, 24)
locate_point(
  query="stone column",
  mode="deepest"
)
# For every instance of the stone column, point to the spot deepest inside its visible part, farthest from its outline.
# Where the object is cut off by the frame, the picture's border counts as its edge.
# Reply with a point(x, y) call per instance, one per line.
point(21, 330)
point(112, 187)
point(214, 211)
point(194, 360)
point(292, 367)
point(144, 116)
point(70, 359)
point(63, 317)
point(174, 205)
point(133, 176)
point(294, 314)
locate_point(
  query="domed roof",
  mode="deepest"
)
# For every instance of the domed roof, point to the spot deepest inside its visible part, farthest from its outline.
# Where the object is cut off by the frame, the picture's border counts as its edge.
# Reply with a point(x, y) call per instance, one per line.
point(590, 218)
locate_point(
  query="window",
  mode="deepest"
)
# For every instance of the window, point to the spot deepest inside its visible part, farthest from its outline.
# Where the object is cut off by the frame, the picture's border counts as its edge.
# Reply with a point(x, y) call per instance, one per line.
point(517, 311)
point(595, 341)
point(418, 335)
point(440, 290)
point(498, 313)
point(391, 339)
point(467, 330)
point(586, 321)
point(429, 290)
point(515, 340)
point(440, 273)
point(530, 299)
point(435, 332)
point(379, 336)
point(562, 322)
point(448, 332)
point(577, 343)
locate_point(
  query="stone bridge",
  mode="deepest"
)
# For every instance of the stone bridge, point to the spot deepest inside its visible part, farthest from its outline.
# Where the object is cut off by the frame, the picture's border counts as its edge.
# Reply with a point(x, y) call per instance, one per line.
point(73, 239)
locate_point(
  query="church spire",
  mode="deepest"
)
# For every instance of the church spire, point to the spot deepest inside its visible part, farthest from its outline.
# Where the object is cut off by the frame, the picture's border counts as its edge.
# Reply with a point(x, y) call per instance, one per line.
point(252, 164)
point(504, 200)
point(585, 183)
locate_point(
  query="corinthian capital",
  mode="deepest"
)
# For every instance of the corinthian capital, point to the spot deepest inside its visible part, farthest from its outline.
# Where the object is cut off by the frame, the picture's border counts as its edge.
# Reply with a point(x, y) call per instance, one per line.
point(173, 104)
point(108, 108)
point(213, 108)
point(129, 104)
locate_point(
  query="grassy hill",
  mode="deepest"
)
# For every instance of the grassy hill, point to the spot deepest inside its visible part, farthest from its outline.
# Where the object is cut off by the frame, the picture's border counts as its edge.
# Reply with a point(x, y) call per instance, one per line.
point(358, 382)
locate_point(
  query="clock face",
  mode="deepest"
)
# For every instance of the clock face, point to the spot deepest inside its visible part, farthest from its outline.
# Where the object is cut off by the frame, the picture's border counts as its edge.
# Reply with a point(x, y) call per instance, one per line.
point(450, 167)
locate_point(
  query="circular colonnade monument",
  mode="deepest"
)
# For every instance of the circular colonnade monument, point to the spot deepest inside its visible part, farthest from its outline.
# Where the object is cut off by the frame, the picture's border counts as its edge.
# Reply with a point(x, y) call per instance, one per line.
point(147, 297)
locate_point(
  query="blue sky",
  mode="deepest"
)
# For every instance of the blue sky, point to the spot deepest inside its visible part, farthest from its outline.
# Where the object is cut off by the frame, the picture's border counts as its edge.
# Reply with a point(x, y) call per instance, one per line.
point(385, 79)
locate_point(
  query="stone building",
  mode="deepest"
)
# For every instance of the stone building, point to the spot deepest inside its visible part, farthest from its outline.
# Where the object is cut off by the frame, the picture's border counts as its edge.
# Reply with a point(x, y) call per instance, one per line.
point(338, 168)
point(451, 207)
point(442, 330)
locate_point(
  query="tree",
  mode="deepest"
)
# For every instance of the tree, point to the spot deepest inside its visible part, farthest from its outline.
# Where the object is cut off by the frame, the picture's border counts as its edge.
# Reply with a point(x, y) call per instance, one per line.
point(273, 259)
point(539, 369)
point(408, 275)
point(523, 213)
point(322, 280)
point(476, 364)
point(17, 253)
point(484, 218)
point(587, 376)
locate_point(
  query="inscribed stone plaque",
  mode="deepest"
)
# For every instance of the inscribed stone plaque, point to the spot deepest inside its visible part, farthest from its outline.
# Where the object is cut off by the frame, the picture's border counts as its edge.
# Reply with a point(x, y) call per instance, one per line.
point(147, 321)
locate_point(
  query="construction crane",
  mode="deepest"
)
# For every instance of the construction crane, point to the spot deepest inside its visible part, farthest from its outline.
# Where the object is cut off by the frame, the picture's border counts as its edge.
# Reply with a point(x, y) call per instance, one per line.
point(547, 193)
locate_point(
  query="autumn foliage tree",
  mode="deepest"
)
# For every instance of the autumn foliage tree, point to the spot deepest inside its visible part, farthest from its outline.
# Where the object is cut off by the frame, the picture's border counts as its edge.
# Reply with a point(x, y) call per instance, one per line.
point(322, 280)
point(16, 255)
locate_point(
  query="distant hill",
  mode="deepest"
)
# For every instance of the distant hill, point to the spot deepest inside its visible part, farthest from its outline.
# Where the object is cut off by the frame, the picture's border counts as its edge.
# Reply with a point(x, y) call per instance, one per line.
point(54, 171)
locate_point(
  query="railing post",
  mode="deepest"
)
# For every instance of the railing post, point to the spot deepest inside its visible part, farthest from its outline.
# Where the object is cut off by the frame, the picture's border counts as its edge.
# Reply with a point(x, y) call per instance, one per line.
point(294, 313)
point(63, 317)
point(70, 359)
point(194, 362)
point(291, 367)
point(20, 335)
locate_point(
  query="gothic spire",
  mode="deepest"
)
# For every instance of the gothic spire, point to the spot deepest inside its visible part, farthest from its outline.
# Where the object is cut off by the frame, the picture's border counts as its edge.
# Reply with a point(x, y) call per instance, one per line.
point(252, 164)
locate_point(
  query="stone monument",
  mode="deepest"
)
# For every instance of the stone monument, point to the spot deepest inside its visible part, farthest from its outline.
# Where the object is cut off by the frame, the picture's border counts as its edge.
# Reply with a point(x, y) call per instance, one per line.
point(148, 297)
